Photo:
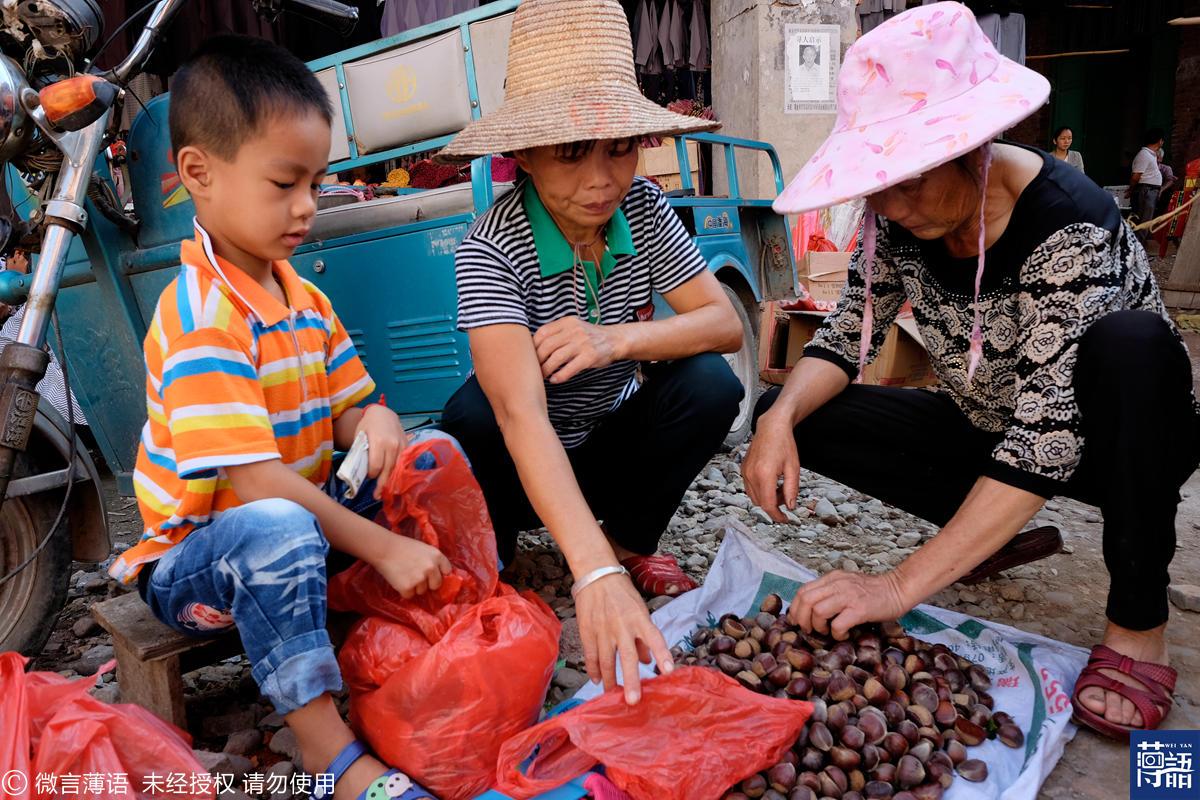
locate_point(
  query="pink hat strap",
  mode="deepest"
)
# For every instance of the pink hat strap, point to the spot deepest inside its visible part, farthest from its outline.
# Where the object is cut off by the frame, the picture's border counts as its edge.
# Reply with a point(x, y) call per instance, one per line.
point(976, 351)
point(870, 229)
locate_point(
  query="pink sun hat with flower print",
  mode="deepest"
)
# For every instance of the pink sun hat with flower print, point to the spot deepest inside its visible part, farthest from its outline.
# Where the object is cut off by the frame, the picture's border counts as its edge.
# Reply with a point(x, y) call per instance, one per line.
point(922, 89)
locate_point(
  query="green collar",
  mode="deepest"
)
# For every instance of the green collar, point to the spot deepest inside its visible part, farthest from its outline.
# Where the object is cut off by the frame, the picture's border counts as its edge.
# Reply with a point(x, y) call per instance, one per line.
point(554, 254)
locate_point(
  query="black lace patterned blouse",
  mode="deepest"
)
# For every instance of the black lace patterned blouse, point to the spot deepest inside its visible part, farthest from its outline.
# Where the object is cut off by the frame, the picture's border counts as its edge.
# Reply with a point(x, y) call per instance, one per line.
point(1065, 260)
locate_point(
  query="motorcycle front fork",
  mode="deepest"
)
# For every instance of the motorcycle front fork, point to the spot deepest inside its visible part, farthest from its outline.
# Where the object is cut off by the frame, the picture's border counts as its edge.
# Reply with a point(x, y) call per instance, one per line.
point(23, 363)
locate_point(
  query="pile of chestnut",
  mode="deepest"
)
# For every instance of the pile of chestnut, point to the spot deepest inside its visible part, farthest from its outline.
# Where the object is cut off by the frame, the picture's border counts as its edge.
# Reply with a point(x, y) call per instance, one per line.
point(892, 717)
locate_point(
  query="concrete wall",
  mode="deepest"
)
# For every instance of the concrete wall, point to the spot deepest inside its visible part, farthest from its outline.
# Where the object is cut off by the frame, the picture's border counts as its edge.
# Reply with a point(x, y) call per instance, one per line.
point(749, 82)
point(1184, 144)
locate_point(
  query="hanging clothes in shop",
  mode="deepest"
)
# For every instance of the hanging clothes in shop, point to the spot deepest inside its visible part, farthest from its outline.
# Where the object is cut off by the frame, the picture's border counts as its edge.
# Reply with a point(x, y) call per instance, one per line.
point(664, 36)
point(699, 56)
point(678, 35)
point(647, 52)
point(672, 48)
point(1007, 32)
point(873, 13)
point(404, 15)
point(1001, 20)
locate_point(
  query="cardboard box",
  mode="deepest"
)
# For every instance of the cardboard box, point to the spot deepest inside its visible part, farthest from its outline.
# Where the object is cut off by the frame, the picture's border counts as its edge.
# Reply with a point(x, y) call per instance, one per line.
point(902, 361)
point(802, 327)
point(662, 163)
point(824, 275)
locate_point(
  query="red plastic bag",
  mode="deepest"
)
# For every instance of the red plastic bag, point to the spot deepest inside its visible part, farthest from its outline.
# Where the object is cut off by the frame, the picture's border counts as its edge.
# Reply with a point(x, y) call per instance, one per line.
point(53, 727)
point(438, 683)
point(443, 507)
point(695, 733)
point(819, 244)
point(14, 725)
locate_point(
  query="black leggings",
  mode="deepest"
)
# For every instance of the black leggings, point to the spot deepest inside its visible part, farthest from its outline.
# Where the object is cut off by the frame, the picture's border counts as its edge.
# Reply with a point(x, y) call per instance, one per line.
point(634, 467)
point(915, 450)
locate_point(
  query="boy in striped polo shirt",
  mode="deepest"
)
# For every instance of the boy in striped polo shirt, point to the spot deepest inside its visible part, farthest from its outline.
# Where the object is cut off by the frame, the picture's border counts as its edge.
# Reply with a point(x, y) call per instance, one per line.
point(252, 382)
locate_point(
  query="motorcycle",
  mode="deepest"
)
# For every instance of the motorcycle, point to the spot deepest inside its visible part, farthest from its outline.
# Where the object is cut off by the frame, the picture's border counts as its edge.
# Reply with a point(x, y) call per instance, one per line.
point(58, 117)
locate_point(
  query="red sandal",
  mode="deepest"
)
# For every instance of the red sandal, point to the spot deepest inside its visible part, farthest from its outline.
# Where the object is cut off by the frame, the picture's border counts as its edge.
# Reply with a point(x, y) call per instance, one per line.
point(1154, 701)
point(658, 575)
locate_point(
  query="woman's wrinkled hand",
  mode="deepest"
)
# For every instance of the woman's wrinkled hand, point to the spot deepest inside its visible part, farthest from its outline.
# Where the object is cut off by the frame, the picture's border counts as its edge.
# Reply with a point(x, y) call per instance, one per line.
point(615, 624)
point(837, 601)
point(568, 346)
point(772, 456)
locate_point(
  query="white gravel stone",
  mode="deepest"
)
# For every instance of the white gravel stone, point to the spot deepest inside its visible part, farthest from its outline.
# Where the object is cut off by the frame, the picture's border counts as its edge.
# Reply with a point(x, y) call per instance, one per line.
point(826, 512)
point(1012, 592)
point(569, 679)
point(85, 626)
point(1185, 596)
point(284, 743)
point(655, 603)
point(244, 742)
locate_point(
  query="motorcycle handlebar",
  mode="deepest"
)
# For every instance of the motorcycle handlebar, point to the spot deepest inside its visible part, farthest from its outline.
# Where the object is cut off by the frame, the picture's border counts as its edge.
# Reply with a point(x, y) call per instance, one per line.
point(339, 16)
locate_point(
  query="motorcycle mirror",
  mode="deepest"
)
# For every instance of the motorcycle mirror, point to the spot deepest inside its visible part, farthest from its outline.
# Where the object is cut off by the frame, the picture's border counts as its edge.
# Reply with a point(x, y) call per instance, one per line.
point(75, 103)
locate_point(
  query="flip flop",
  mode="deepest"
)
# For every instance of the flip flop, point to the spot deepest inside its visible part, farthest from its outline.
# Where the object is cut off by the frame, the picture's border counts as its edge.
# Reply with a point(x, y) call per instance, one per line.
point(392, 785)
point(1154, 701)
point(1024, 548)
point(656, 576)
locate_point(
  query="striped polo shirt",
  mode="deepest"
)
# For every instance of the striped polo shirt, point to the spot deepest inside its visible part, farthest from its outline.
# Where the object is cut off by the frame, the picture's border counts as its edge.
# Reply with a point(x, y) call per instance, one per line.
point(515, 267)
point(233, 377)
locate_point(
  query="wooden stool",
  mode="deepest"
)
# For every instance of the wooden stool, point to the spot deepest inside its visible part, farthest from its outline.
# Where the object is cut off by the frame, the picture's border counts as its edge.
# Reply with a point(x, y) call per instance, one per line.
point(152, 658)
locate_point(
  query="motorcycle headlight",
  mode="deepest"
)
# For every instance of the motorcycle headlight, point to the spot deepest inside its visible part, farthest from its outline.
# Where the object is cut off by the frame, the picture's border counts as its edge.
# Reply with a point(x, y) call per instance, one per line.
point(15, 126)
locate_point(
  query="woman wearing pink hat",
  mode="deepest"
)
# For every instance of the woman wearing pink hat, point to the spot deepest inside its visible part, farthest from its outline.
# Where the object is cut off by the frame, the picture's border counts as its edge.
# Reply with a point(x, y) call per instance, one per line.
point(1060, 373)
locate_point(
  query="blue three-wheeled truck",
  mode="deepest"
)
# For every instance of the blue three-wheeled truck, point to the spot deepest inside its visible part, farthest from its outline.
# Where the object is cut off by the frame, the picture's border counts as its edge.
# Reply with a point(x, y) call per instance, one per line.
point(387, 263)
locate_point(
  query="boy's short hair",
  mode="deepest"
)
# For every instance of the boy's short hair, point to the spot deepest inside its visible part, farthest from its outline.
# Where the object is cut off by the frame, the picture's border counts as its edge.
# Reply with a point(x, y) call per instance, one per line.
point(230, 86)
point(1153, 136)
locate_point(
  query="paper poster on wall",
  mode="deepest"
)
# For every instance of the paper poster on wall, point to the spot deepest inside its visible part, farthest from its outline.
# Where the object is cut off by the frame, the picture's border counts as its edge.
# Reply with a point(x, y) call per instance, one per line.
point(812, 54)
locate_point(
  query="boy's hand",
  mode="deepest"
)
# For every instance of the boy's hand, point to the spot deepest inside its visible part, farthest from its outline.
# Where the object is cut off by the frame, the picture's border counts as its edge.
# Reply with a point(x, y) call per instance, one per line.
point(412, 567)
point(387, 440)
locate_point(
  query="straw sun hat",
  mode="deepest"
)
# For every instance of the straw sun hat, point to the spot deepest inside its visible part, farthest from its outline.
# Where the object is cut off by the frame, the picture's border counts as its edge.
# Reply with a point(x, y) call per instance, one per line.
point(570, 79)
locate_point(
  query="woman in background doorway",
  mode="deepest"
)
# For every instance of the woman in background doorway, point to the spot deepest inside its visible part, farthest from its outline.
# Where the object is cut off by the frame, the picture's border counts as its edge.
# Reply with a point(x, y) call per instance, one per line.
point(1064, 137)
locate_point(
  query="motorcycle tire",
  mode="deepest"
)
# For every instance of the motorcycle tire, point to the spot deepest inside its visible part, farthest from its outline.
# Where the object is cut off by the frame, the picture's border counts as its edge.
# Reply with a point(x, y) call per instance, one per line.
point(31, 601)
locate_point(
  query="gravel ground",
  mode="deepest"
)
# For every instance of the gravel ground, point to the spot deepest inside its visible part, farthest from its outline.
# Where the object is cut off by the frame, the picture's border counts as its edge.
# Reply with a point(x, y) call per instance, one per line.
point(833, 527)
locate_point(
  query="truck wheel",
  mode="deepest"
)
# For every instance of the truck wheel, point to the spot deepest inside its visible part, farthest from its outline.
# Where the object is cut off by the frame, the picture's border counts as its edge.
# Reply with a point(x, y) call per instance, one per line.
point(744, 364)
point(30, 601)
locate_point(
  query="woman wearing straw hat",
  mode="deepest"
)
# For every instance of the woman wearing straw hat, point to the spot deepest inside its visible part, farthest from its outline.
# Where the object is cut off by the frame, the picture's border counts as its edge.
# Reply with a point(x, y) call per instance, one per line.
point(555, 288)
point(1060, 372)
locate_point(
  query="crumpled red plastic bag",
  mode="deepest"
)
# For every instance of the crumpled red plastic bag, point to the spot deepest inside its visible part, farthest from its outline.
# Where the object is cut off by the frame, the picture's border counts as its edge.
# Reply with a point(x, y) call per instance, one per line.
point(51, 726)
point(695, 733)
point(439, 682)
point(442, 507)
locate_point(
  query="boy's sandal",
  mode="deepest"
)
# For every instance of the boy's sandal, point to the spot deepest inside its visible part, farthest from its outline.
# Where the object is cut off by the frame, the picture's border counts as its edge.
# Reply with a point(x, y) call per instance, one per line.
point(392, 785)
point(1024, 548)
point(656, 576)
point(1154, 701)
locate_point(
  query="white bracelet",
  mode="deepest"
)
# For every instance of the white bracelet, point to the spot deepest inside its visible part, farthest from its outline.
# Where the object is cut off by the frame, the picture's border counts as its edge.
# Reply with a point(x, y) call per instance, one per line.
point(595, 575)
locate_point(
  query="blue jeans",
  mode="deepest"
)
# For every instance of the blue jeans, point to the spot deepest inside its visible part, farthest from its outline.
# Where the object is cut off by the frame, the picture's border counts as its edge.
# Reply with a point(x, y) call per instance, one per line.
point(263, 566)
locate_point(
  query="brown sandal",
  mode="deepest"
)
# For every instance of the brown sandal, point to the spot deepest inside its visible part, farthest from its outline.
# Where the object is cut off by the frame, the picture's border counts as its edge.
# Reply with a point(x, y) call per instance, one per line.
point(1024, 548)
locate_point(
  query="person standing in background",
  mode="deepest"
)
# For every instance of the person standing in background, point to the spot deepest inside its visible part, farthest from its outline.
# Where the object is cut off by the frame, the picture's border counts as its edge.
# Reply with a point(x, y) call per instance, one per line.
point(1064, 137)
point(1168, 183)
point(1146, 181)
